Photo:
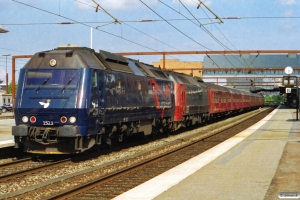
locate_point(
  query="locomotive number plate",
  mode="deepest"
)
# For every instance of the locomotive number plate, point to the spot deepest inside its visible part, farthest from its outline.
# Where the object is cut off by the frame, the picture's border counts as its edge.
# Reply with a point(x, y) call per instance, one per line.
point(48, 123)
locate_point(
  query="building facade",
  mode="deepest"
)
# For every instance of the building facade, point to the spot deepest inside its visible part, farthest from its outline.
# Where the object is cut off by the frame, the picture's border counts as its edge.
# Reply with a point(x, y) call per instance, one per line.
point(246, 70)
point(191, 68)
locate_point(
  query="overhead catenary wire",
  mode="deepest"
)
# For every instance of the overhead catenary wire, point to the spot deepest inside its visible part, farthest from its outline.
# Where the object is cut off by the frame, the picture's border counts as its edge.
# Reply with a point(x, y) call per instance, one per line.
point(175, 27)
point(145, 34)
point(77, 22)
point(185, 34)
point(92, 27)
point(84, 24)
point(203, 28)
point(218, 41)
point(150, 20)
point(216, 38)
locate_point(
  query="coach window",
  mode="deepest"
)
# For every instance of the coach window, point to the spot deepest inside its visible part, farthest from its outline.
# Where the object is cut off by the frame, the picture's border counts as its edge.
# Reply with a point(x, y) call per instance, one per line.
point(94, 78)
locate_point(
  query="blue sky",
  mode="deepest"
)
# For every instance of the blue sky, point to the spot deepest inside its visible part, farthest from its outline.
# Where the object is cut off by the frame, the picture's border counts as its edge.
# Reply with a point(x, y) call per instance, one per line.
point(32, 25)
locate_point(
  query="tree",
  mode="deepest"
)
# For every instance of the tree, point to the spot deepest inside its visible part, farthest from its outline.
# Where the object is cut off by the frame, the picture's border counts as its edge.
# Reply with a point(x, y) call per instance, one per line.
point(10, 87)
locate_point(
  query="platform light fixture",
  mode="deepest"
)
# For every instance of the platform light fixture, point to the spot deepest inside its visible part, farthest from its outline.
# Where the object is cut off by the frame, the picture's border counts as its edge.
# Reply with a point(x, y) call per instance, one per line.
point(3, 30)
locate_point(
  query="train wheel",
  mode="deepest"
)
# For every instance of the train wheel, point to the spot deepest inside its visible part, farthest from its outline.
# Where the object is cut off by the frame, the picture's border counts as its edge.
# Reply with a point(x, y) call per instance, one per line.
point(188, 123)
point(109, 140)
point(98, 147)
point(98, 142)
point(208, 118)
point(120, 138)
point(160, 130)
point(154, 132)
point(202, 120)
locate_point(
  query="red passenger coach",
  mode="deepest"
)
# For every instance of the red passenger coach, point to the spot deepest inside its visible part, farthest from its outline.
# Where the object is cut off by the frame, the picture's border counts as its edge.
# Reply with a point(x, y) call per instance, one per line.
point(219, 99)
point(224, 100)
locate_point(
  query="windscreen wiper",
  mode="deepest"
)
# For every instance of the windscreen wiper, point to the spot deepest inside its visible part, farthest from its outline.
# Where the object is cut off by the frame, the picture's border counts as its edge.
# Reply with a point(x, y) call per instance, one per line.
point(45, 81)
point(67, 83)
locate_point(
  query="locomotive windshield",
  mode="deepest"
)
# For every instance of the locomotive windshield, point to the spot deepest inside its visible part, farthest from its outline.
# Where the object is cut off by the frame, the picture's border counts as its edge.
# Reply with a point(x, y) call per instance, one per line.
point(53, 77)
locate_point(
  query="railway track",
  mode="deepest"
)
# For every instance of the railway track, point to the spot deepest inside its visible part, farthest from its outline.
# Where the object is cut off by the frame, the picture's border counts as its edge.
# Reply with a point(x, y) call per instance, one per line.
point(113, 178)
point(27, 166)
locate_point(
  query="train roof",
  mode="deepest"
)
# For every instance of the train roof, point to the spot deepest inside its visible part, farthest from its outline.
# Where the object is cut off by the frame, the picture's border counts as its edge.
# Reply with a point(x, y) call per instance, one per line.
point(83, 57)
point(181, 77)
point(231, 90)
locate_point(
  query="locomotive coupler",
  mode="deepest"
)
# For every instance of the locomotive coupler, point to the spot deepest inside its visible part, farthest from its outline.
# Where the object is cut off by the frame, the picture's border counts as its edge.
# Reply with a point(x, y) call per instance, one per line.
point(45, 136)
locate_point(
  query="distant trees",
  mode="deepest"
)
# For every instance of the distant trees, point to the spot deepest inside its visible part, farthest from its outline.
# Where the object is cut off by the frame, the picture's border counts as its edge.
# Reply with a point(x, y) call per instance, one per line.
point(274, 99)
point(10, 87)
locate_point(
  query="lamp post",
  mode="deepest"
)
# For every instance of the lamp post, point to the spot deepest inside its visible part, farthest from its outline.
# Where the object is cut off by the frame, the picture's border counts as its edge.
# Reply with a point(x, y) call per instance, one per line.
point(6, 73)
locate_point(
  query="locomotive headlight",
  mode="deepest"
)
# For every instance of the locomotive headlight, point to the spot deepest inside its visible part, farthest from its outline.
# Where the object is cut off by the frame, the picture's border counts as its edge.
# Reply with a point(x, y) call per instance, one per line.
point(25, 119)
point(72, 119)
point(52, 62)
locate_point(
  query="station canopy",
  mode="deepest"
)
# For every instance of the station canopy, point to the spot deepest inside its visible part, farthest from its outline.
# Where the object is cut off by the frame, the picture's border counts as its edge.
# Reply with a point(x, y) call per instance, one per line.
point(251, 61)
point(249, 70)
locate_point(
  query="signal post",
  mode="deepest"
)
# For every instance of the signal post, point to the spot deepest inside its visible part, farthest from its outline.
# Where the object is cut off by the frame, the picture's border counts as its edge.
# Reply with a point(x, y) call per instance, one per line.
point(289, 82)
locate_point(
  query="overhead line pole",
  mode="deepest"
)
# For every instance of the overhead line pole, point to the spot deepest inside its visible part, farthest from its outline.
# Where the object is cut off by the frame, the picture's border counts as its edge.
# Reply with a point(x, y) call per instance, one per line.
point(14, 74)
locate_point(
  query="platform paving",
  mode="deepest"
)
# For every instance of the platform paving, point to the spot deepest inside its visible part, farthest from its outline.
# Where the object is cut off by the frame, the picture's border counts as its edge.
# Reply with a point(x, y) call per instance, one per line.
point(261, 166)
point(6, 138)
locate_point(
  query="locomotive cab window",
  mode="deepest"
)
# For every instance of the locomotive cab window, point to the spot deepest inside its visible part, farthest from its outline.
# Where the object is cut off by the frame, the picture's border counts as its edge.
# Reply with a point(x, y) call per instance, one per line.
point(52, 78)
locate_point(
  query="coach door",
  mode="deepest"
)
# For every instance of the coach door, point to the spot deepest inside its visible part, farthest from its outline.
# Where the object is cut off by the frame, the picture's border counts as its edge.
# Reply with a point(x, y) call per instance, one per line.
point(183, 98)
point(94, 102)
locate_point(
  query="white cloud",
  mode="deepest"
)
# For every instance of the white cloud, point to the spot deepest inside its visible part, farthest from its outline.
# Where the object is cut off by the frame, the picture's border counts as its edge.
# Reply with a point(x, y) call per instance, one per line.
point(129, 5)
point(287, 2)
point(287, 26)
point(116, 4)
point(288, 13)
point(192, 2)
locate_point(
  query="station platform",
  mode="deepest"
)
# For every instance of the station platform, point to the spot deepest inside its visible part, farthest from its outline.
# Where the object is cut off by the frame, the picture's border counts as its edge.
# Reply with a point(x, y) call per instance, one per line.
point(261, 162)
point(6, 138)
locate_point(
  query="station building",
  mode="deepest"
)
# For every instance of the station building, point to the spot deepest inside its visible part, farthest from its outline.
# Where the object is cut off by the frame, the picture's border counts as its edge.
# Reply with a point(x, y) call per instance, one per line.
point(265, 71)
point(191, 68)
point(5, 99)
